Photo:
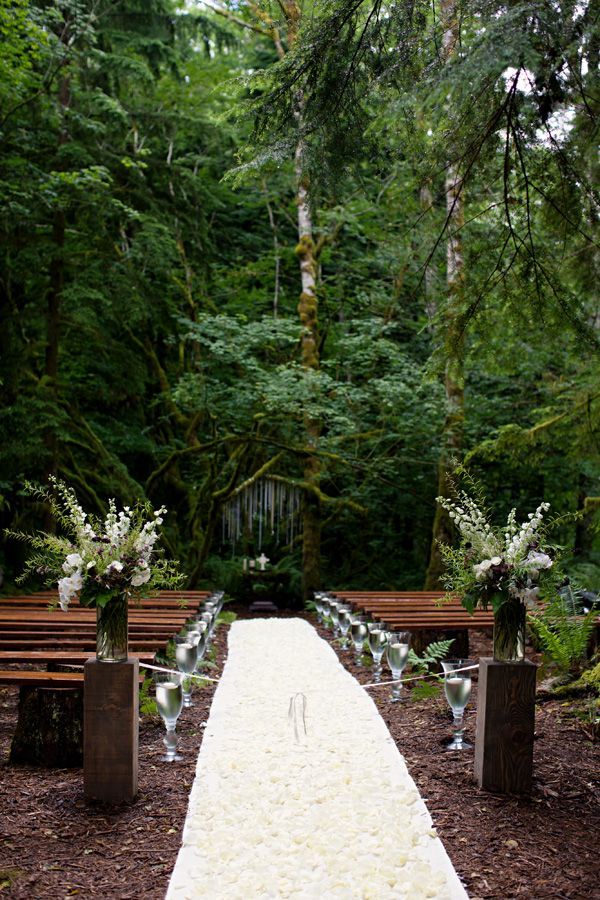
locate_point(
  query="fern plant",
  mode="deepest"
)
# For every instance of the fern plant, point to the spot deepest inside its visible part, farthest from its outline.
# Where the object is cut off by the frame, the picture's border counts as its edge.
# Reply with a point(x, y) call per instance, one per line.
point(563, 635)
point(433, 654)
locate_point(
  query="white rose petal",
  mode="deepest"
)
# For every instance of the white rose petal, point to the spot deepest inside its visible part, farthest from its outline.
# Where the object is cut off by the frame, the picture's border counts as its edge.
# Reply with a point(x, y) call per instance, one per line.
point(305, 799)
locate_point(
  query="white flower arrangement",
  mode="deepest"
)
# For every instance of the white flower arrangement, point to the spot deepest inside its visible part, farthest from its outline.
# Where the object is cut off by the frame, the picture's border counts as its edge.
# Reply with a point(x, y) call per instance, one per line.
point(492, 565)
point(97, 558)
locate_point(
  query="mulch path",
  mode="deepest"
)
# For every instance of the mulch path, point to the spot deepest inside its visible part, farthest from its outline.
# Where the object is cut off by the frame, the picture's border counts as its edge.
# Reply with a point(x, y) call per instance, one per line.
point(53, 845)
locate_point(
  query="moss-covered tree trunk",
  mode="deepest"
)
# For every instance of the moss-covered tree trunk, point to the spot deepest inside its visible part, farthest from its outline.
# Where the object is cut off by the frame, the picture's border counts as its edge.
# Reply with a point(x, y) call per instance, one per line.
point(452, 338)
point(307, 311)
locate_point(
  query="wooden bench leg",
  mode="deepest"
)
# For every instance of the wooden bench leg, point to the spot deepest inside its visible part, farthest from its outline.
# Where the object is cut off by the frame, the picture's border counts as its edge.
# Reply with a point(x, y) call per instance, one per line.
point(49, 728)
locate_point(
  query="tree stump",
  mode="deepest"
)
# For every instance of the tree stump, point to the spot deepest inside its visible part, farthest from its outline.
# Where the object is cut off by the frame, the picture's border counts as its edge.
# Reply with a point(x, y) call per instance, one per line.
point(505, 726)
point(49, 728)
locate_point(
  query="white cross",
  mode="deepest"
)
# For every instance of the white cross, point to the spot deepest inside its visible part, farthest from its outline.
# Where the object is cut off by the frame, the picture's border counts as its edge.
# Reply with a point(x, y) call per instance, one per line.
point(262, 561)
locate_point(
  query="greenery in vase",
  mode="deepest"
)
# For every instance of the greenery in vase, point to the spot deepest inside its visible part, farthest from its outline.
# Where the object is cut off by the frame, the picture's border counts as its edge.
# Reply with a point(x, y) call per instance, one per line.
point(97, 558)
point(496, 566)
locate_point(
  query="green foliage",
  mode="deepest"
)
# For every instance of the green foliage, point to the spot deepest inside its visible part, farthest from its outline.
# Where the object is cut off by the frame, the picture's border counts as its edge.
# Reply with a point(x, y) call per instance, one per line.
point(149, 334)
point(563, 635)
point(226, 617)
point(9, 876)
point(425, 690)
point(432, 656)
point(147, 702)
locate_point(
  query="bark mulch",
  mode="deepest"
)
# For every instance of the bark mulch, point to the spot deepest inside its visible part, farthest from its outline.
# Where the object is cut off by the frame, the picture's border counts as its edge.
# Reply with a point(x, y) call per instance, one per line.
point(53, 845)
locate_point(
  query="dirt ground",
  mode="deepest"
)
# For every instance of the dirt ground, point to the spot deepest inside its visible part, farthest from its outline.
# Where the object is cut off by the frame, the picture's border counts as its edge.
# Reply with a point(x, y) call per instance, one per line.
point(53, 845)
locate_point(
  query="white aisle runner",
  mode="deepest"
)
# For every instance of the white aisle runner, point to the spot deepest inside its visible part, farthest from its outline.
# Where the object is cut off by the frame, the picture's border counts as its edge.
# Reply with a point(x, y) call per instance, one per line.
point(277, 813)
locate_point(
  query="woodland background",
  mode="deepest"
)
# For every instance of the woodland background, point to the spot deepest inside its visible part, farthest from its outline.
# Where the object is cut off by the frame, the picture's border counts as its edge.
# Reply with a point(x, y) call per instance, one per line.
point(339, 244)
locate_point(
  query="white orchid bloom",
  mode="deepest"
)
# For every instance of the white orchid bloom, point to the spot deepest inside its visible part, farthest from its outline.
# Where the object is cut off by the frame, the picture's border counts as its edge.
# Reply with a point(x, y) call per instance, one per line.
point(481, 569)
point(140, 577)
point(67, 588)
point(72, 563)
point(537, 560)
point(76, 581)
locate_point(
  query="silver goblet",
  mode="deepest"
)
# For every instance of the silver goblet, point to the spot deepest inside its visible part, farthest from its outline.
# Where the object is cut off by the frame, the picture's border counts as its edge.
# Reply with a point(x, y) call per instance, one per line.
point(344, 622)
point(396, 653)
point(186, 657)
point(378, 640)
point(169, 700)
point(358, 633)
point(457, 687)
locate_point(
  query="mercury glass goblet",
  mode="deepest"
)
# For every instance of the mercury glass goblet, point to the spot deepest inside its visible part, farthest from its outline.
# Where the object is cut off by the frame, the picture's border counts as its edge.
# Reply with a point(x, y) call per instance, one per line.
point(217, 599)
point(378, 639)
point(212, 608)
point(358, 633)
point(396, 653)
point(325, 604)
point(334, 606)
point(196, 633)
point(457, 687)
point(319, 606)
point(344, 621)
point(186, 657)
point(207, 617)
point(169, 700)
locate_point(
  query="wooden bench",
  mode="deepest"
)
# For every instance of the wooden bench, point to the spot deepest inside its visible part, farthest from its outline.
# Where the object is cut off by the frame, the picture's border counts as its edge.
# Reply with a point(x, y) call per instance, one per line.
point(31, 678)
point(32, 633)
point(49, 726)
point(423, 613)
point(41, 679)
point(166, 600)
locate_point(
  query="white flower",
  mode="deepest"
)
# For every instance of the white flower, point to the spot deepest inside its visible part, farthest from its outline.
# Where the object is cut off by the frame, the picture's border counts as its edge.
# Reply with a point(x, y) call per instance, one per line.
point(496, 560)
point(530, 595)
point(140, 577)
point(115, 566)
point(72, 562)
point(537, 560)
point(68, 587)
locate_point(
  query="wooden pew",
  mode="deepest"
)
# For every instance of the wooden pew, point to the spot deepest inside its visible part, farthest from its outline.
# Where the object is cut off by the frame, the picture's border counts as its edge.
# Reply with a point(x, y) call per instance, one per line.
point(423, 614)
point(33, 635)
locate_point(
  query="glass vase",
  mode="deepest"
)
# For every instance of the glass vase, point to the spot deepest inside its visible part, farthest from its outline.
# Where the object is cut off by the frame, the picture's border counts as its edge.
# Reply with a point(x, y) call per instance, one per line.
point(509, 631)
point(111, 629)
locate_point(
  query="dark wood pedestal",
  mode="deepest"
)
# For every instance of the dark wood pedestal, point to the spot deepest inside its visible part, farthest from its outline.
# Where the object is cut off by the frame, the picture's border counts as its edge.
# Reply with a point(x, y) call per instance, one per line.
point(505, 726)
point(110, 730)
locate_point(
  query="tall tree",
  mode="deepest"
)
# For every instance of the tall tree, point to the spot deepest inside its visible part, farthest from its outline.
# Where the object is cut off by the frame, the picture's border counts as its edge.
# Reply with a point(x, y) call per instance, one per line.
point(451, 326)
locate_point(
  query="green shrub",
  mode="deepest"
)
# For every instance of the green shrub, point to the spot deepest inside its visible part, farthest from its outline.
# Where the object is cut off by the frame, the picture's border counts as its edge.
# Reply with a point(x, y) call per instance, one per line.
point(564, 636)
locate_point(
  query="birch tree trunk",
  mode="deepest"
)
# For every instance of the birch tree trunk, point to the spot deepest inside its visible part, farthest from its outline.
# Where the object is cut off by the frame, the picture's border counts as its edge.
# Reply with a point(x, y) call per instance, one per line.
point(452, 433)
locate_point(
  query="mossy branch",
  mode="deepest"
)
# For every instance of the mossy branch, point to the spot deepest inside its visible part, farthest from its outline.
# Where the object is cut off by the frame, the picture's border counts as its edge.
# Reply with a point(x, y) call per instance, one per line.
point(324, 498)
point(230, 492)
point(184, 452)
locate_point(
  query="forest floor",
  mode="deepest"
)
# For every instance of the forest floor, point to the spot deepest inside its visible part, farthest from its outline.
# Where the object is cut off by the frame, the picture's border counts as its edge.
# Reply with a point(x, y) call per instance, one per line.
point(53, 845)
